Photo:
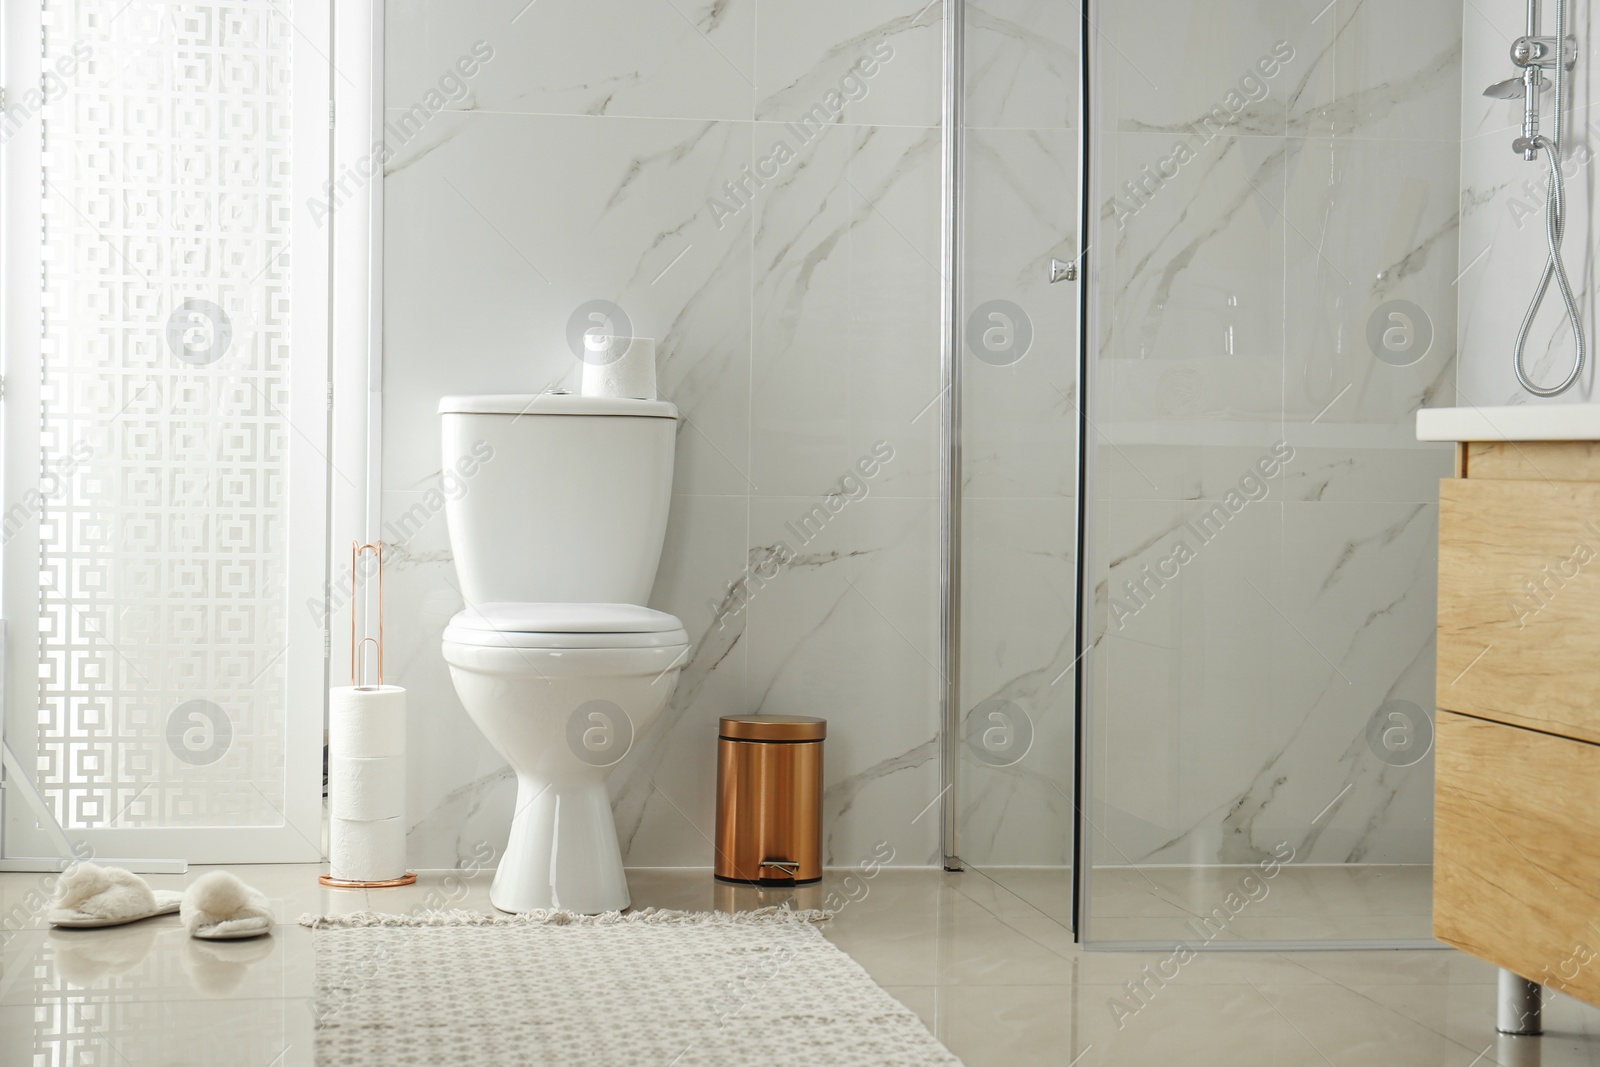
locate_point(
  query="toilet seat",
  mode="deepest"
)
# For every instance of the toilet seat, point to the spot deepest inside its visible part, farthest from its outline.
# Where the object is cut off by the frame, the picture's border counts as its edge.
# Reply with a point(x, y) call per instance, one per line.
point(563, 626)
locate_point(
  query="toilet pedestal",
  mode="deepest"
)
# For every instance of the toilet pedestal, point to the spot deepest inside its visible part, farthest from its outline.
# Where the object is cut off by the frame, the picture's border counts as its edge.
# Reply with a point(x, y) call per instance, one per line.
point(563, 850)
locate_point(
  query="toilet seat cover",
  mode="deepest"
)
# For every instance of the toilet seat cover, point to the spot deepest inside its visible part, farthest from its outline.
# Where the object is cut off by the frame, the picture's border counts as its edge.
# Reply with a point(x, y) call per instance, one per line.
point(539, 625)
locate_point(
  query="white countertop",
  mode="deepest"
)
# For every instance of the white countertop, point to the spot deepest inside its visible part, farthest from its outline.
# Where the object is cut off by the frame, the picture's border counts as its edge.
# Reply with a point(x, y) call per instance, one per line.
point(1526, 422)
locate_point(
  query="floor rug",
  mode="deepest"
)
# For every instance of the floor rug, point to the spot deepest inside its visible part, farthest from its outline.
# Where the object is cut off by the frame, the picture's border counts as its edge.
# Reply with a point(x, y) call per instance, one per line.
point(650, 988)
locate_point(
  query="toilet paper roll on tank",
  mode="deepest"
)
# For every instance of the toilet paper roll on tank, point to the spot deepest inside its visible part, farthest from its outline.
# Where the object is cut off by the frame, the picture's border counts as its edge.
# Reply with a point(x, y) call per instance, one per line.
point(619, 366)
point(367, 783)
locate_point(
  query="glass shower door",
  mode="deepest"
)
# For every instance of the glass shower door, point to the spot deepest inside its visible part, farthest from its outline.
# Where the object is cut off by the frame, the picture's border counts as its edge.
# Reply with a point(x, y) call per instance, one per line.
point(1019, 433)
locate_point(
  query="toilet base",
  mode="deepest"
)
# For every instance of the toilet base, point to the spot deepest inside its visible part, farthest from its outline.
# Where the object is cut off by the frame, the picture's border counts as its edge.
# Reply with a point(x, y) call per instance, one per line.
point(563, 850)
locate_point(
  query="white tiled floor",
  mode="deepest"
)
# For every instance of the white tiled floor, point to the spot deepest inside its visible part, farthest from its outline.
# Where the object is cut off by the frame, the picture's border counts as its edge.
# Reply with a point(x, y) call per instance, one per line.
point(1353, 902)
point(996, 978)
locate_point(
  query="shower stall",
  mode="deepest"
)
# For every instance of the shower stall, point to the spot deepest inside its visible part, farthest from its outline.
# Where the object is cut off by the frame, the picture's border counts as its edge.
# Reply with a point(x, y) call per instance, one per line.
point(1200, 266)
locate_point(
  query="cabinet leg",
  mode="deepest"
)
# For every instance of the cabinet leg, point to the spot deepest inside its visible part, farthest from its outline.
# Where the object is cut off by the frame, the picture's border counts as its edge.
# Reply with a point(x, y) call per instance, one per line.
point(1519, 1006)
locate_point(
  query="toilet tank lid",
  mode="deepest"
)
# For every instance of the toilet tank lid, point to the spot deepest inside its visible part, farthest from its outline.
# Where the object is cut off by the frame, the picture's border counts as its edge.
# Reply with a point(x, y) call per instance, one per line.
point(539, 618)
point(555, 404)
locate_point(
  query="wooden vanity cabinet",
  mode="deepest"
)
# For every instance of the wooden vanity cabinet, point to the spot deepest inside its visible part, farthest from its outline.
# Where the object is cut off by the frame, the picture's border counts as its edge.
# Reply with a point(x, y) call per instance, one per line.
point(1517, 762)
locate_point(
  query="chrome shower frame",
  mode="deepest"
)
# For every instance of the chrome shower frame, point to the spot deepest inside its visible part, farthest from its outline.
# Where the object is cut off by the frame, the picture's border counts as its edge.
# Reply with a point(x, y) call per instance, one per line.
point(950, 485)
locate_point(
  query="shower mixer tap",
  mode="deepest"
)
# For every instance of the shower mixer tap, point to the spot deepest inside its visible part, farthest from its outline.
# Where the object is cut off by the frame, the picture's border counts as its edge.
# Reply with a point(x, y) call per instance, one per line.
point(1534, 54)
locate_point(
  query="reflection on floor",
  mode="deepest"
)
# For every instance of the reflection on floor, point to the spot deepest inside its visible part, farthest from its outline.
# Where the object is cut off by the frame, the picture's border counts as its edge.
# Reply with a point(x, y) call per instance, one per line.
point(997, 978)
point(1348, 902)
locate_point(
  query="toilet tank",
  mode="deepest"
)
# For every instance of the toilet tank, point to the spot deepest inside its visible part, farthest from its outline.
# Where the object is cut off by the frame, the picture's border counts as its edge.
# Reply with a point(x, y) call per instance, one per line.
point(555, 497)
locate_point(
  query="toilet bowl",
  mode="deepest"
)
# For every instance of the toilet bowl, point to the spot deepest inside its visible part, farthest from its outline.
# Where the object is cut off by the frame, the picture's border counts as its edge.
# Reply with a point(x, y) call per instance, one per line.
point(556, 534)
point(562, 691)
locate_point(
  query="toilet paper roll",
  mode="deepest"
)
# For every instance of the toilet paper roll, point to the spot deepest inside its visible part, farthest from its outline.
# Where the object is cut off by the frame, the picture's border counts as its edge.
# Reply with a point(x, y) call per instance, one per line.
point(366, 722)
point(365, 788)
point(633, 374)
point(366, 850)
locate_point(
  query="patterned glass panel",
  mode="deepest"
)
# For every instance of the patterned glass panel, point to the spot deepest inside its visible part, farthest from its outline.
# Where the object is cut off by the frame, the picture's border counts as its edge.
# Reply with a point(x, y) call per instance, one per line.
point(166, 289)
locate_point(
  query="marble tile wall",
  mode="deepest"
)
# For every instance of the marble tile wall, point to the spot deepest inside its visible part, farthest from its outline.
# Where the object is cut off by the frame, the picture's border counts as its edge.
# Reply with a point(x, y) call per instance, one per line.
point(587, 157)
point(1281, 181)
point(1502, 214)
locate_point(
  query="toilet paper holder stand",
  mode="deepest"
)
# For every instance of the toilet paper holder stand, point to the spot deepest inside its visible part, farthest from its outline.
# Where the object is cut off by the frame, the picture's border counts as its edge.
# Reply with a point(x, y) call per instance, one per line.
point(358, 659)
point(358, 663)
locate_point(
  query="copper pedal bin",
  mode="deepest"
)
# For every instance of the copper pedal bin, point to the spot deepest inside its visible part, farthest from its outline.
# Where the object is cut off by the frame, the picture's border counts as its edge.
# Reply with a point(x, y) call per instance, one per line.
point(769, 799)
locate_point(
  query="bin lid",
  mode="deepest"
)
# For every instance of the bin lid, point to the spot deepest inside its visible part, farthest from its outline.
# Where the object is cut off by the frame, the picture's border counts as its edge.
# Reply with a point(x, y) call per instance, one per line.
point(773, 728)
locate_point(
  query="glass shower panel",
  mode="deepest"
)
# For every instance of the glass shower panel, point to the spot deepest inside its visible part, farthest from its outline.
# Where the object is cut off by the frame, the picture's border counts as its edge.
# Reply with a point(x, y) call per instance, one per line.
point(1273, 258)
point(1020, 400)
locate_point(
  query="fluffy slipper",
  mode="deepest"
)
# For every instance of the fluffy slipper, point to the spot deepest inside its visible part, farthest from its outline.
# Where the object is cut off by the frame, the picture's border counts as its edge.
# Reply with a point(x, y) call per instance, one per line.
point(87, 895)
point(219, 907)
